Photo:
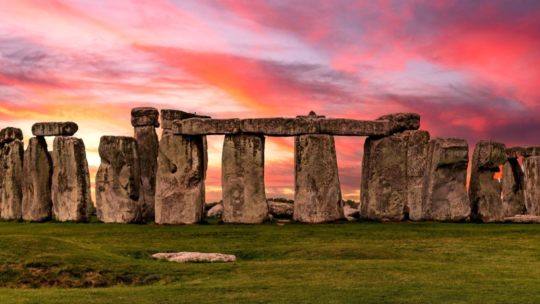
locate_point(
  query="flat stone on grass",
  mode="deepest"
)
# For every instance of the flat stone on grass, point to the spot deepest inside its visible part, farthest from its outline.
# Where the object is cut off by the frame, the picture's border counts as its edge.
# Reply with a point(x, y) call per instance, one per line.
point(184, 257)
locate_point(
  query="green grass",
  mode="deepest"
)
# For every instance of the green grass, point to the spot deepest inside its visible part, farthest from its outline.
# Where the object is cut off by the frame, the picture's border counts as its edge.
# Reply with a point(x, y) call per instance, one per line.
point(361, 262)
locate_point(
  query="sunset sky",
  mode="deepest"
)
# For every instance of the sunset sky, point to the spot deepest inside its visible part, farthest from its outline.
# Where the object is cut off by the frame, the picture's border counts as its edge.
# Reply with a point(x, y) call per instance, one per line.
point(471, 69)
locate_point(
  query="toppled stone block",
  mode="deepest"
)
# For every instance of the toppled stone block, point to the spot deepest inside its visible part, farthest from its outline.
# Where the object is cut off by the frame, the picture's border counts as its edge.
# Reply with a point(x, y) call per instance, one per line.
point(36, 181)
point(279, 126)
point(400, 122)
point(350, 213)
point(242, 180)
point(54, 128)
point(144, 116)
point(353, 127)
point(512, 185)
point(118, 180)
point(532, 184)
point(317, 195)
point(519, 218)
point(11, 170)
point(204, 126)
point(384, 179)
point(417, 153)
point(10, 134)
point(484, 190)
point(280, 210)
point(71, 181)
point(523, 151)
point(444, 191)
point(196, 257)
point(215, 211)
point(180, 192)
point(147, 141)
point(168, 116)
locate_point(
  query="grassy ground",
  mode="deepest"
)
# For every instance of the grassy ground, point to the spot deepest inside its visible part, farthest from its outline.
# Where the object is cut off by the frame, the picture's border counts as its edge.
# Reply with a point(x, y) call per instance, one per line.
point(340, 263)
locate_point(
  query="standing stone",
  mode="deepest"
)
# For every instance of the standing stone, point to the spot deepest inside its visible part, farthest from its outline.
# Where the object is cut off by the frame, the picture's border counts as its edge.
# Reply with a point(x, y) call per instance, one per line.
point(484, 190)
point(118, 180)
point(145, 120)
point(180, 189)
point(11, 169)
point(36, 183)
point(71, 181)
point(384, 179)
point(444, 191)
point(512, 184)
point(417, 149)
point(9, 134)
point(242, 180)
point(317, 191)
point(532, 184)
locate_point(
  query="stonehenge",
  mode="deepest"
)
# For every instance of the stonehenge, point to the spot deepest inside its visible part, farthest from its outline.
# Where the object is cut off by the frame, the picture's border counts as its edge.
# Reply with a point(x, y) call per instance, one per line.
point(405, 175)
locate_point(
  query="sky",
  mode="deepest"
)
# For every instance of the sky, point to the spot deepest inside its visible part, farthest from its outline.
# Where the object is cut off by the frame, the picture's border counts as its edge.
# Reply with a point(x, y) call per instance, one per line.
point(469, 68)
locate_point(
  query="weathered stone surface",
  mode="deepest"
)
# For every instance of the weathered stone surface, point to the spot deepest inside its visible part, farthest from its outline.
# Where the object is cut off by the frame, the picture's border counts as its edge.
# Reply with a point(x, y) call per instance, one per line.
point(279, 126)
point(180, 192)
point(519, 218)
point(417, 154)
point(353, 127)
point(36, 183)
point(444, 191)
point(10, 134)
point(400, 122)
point(384, 179)
point(484, 190)
point(280, 210)
point(168, 116)
point(196, 257)
point(54, 128)
point(317, 192)
point(242, 179)
point(148, 144)
point(215, 211)
point(11, 169)
point(532, 184)
point(71, 181)
point(204, 126)
point(144, 116)
point(350, 213)
point(118, 180)
point(512, 184)
point(524, 151)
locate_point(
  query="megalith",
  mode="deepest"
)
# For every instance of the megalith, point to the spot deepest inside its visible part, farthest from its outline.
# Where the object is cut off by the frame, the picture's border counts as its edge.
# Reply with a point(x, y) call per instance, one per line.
point(55, 128)
point(118, 180)
point(11, 170)
point(145, 121)
point(9, 134)
point(180, 192)
point(512, 185)
point(317, 191)
point(242, 180)
point(71, 181)
point(532, 184)
point(383, 194)
point(484, 190)
point(444, 190)
point(36, 181)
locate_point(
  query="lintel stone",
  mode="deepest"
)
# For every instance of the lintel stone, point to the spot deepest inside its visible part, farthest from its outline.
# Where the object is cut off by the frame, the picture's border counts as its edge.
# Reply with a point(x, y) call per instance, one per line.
point(54, 128)
point(205, 126)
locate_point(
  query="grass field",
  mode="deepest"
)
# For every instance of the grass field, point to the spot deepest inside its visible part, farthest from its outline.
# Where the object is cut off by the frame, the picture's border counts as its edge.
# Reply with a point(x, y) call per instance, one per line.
point(357, 262)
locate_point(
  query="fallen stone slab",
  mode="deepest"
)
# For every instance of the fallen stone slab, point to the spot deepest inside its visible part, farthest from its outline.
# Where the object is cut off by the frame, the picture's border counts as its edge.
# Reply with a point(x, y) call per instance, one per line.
point(350, 213)
point(10, 134)
point(184, 257)
point(523, 151)
point(353, 127)
point(54, 128)
point(280, 210)
point(36, 181)
point(532, 184)
point(484, 190)
point(513, 183)
point(168, 116)
point(279, 126)
point(242, 180)
point(148, 143)
point(205, 126)
point(144, 116)
point(118, 180)
point(520, 218)
point(215, 211)
point(11, 170)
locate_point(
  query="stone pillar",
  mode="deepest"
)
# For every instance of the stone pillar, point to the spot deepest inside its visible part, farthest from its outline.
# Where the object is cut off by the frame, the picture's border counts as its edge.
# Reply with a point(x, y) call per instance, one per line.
point(145, 122)
point(384, 179)
point(484, 190)
point(11, 169)
point(417, 149)
point(512, 184)
point(118, 181)
point(71, 181)
point(180, 189)
point(444, 190)
point(242, 180)
point(317, 191)
point(532, 184)
point(36, 183)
